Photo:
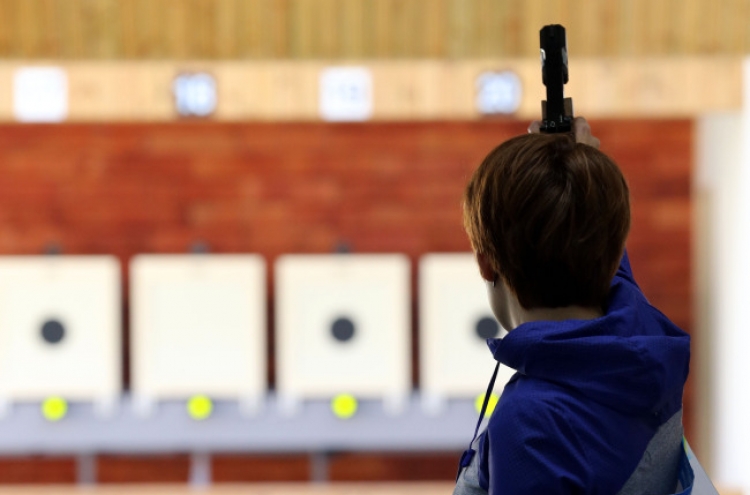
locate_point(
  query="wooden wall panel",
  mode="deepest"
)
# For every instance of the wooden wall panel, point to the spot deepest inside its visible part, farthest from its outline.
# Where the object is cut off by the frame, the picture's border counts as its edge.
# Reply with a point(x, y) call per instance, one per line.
point(393, 467)
point(145, 469)
point(260, 468)
point(415, 90)
point(282, 188)
point(37, 470)
point(336, 29)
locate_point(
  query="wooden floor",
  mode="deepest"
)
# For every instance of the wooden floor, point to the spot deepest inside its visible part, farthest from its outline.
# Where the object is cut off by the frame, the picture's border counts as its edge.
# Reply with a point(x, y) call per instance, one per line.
point(243, 489)
point(413, 488)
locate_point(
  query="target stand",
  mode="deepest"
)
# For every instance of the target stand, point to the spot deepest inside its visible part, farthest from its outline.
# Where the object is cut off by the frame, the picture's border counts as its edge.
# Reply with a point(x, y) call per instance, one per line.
point(455, 322)
point(60, 326)
point(342, 327)
point(198, 331)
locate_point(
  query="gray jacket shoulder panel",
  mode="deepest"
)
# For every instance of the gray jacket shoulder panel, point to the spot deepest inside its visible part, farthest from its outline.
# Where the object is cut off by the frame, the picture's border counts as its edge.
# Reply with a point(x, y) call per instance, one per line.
point(658, 469)
point(656, 472)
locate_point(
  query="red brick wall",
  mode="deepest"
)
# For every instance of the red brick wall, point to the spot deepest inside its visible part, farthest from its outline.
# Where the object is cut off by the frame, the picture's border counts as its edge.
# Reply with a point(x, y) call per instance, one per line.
point(280, 188)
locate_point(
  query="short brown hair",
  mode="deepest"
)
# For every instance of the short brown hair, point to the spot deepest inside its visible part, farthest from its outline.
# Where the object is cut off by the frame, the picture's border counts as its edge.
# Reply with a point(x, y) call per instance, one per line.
point(551, 216)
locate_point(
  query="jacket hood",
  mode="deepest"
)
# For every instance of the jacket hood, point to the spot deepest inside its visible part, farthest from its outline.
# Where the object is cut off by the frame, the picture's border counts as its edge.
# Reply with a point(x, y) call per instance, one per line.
point(632, 359)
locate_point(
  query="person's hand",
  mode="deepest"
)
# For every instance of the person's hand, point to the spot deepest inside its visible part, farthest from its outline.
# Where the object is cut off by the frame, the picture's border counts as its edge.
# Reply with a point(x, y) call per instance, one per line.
point(581, 128)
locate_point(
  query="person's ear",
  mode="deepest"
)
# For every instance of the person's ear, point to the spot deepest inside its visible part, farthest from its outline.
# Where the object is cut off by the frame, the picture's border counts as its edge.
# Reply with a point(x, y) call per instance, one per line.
point(485, 269)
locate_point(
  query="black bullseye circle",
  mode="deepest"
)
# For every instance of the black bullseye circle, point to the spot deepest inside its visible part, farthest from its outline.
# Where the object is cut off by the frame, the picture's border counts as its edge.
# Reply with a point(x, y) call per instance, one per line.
point(342, 329)
point(487, 328)
point(53, 331)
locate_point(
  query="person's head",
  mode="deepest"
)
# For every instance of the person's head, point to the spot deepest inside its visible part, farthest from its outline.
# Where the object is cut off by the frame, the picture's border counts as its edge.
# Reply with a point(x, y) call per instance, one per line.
point(549, 216)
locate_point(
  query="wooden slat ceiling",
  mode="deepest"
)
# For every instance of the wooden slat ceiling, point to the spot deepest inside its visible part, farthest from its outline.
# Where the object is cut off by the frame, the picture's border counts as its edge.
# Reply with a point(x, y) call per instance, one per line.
point(365, 29)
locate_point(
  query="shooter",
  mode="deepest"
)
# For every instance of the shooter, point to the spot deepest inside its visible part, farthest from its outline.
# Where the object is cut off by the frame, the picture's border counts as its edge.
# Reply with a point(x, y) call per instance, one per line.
point(596, 404)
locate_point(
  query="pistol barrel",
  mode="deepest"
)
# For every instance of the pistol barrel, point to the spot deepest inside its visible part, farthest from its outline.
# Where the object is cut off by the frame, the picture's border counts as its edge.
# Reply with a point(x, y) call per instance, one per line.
point(557, 111)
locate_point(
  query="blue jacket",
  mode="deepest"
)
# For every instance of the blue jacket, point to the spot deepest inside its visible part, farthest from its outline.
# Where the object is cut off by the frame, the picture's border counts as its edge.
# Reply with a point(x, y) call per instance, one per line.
point(587, 398)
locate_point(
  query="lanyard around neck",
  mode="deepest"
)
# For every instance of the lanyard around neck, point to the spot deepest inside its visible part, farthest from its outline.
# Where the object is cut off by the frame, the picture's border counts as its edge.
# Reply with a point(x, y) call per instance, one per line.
point(468, 454)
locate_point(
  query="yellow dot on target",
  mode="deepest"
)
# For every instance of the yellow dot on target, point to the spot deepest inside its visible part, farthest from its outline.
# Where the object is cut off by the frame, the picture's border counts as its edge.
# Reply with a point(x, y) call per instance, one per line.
point(54, 408)
point(200, 407)
point(344, 406)
point(490, 404)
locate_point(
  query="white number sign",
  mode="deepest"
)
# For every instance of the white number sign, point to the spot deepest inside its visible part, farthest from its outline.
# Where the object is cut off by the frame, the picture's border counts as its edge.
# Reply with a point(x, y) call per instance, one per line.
point(345, 94)
point(40, 94)
point(498, 92)
point(195, 94)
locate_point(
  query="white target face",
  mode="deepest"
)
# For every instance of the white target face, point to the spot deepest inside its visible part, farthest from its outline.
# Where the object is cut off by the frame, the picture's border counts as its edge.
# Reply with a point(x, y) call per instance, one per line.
point(198, 326)
point(342, 325)
point(455, 322)
point(60, 327)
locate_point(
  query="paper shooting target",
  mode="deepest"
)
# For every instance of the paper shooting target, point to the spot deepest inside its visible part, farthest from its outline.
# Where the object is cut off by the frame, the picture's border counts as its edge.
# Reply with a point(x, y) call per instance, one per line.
point(455, 322)
point(198, 326)
point(343, 325)
point(60, 328)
